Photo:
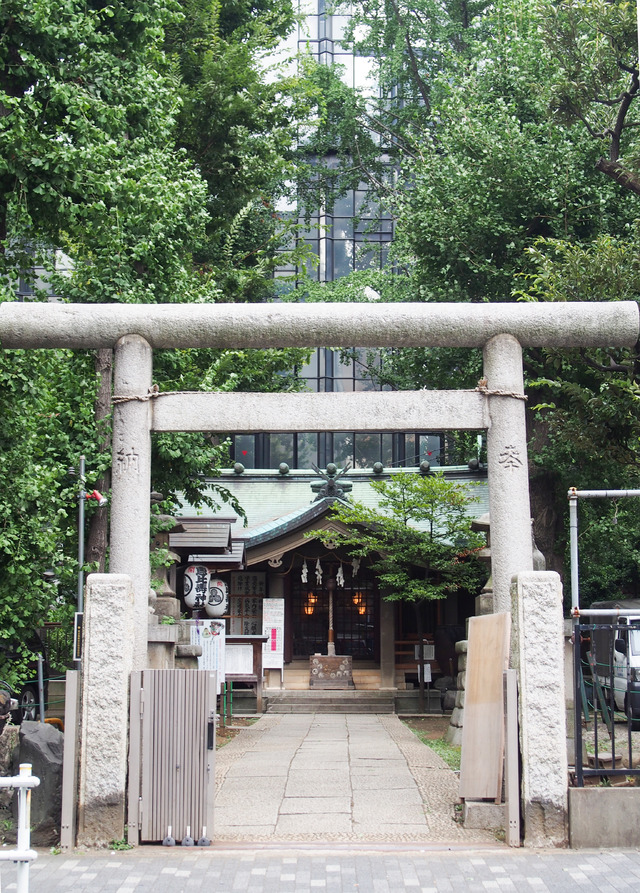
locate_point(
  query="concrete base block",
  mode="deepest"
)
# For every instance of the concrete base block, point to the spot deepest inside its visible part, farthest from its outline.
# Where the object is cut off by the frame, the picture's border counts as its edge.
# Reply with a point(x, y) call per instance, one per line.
point(484, 604)
point(454, 736)
point(545, 824)
point(484, 816)
point(604, 817)
point(167, 606)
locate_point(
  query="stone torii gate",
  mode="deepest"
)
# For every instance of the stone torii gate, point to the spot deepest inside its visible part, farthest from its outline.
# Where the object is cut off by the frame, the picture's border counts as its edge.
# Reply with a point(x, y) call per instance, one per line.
point(496, 405)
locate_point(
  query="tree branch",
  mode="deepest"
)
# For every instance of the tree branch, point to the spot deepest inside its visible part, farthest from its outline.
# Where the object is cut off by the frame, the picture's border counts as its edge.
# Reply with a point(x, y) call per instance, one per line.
point(619, 173)
point(616, 135)
point(612, 367)
point(413, 62)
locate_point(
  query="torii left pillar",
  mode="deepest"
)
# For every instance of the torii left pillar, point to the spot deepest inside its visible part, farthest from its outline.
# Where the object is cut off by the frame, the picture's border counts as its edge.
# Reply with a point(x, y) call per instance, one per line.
point(131, 484)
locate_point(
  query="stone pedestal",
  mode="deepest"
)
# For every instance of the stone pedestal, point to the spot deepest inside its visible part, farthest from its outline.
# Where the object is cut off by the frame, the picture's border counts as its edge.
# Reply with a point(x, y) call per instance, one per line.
point(537, 643)
point(331, 672)
point(107, 661)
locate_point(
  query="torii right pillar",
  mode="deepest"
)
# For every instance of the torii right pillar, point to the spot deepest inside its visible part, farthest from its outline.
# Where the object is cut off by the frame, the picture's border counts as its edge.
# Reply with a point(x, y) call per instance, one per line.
point(509, 507)
point(534, 599)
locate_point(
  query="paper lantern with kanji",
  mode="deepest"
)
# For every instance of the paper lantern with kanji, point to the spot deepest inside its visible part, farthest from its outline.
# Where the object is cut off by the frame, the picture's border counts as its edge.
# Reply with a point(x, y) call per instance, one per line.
point(196, 586)
point(217, 600)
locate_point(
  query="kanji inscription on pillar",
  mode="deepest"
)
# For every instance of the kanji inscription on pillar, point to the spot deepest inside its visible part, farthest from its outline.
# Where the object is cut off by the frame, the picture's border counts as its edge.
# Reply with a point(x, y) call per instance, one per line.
point(127, 461)
point(510, 457)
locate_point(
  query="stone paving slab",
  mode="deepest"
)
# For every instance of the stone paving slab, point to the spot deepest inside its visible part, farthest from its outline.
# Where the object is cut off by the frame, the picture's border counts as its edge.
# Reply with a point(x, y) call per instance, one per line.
point(270, 785)
point(362, 766)
point(315, 823)
point(375, 812)
point(256, 769)
point(308, 805)
point(381, 781)
point(235, 815)
point(318, 783)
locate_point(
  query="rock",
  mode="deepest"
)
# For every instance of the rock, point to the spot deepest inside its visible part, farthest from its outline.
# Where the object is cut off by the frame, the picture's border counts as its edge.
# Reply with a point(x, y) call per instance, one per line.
point(42, 745)
point(8, 743)
point(5, 708)
point(449, 700)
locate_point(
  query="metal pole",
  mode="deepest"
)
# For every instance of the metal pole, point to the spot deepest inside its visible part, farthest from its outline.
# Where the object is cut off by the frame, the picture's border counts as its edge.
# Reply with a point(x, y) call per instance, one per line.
point(573, 535)
point(603, 494)
point(24, 832)
point(577, 704)
point(41, 688)
point(81, 499)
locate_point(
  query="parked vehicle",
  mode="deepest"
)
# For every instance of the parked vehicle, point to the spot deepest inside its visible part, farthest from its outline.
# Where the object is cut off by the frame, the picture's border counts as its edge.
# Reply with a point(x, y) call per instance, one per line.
point(26, 693)
point(615, 650)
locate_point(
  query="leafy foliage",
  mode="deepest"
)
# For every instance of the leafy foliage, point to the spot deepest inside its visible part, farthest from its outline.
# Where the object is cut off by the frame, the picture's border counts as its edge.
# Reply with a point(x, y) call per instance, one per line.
point(419, 540)
point(100, 107)
point(596, 79)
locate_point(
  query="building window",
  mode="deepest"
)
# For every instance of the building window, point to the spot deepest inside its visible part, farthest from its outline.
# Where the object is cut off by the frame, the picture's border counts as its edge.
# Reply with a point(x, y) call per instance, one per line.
point(359, 449)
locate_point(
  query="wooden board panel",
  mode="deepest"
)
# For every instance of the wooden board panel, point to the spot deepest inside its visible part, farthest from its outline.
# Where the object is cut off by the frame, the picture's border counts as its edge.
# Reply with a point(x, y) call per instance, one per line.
point(483, 725)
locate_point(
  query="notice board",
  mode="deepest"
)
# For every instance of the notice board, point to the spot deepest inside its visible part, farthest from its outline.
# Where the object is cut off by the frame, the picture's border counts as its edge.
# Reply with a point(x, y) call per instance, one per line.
point(273, 628)
point(483, 724)
point(210, 634)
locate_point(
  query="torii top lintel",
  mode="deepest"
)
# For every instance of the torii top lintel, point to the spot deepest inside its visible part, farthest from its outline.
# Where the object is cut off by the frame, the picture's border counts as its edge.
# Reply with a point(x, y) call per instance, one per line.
point(577, 324)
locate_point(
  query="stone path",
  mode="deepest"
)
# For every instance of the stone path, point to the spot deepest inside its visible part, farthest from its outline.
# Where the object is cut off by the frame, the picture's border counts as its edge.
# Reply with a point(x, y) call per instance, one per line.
point(335, 777)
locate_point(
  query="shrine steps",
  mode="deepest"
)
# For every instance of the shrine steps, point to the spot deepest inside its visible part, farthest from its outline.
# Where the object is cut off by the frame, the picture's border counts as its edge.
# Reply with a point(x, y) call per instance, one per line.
point(318, 701)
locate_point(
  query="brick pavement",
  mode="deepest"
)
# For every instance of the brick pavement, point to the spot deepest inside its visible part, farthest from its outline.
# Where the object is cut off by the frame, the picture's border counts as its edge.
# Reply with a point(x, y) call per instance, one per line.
point(349, 868)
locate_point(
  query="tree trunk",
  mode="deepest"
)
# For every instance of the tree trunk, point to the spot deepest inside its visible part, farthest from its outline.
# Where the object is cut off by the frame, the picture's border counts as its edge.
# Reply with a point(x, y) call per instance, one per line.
point(98, 538)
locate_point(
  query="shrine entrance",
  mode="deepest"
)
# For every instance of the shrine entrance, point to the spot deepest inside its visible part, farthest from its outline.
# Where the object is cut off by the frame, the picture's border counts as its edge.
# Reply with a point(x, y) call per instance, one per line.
point(496, 405)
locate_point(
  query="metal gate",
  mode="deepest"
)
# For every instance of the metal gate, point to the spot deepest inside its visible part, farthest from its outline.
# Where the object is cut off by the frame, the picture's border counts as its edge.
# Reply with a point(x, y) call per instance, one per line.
point(606, 702)
point(171, 755)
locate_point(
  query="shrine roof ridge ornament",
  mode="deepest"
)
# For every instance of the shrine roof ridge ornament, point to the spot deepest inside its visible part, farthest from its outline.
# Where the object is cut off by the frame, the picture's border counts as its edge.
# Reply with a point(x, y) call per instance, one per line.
point(575, 324)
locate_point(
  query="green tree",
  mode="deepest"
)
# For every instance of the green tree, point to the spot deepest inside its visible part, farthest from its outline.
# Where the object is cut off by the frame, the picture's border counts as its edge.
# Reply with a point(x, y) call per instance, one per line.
point(504, 121)
point(93, 163)
point(583, 415)
point(418, 540)
point(86, 158)
point(596, 78)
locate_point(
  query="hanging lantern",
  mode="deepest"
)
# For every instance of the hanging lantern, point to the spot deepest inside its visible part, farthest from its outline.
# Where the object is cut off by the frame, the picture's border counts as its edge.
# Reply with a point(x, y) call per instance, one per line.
point(196, 586)
point(308, 609)
point(217, 600)
point(357, 598)
point(312, 598)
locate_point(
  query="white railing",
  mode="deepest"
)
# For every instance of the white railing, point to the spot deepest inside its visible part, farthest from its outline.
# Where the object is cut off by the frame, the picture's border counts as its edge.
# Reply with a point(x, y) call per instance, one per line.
point(22, 854)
